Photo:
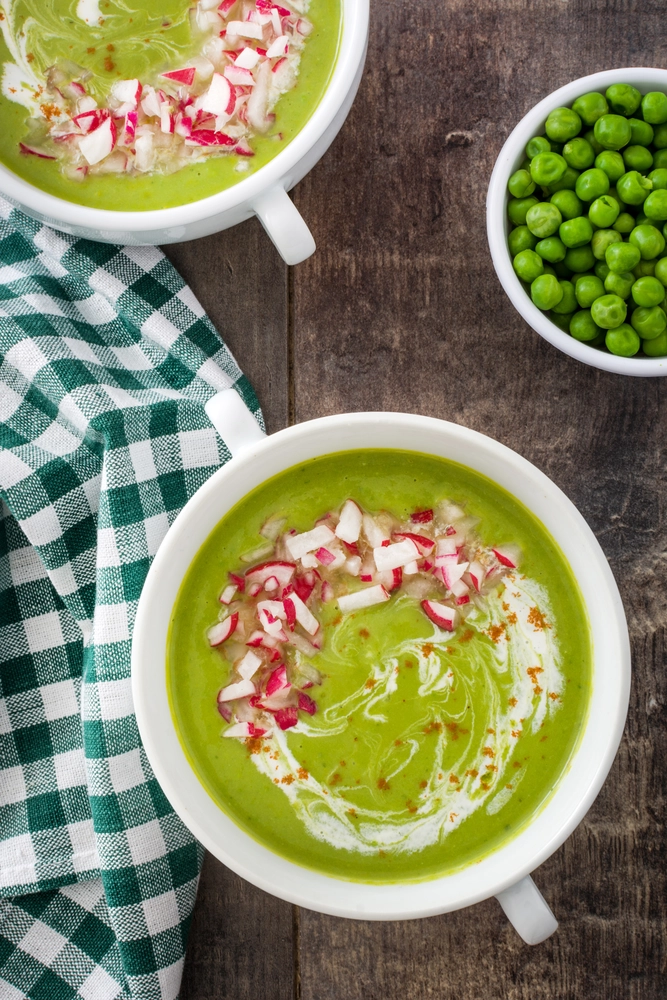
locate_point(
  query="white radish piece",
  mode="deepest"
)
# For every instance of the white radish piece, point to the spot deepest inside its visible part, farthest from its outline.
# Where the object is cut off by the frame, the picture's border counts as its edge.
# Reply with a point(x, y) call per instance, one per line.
point(247, 59)
point(275, 608)
point(258, 105)
point(394, 556)
point(508, 555)
point(222, 631)
point(249, 665)
point(282, 571)
point(373, 531)
point(305, 618)
point(411, 568)
point(127, 92)
point(365, 598)
point(245, 29)
point(227, 596)
point(240, 730)
point(441, 614)
point(241, 689)
point(98, 144)
point(348, 528)
point(278, 48)
point(477, 573)
point(452, 569)
point(353, 565)
point(219, 99)
point(308, 541)
point(239, 77)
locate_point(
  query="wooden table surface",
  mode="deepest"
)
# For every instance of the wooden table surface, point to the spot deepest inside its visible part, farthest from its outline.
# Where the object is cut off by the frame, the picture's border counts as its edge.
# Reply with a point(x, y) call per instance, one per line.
point(400, 309)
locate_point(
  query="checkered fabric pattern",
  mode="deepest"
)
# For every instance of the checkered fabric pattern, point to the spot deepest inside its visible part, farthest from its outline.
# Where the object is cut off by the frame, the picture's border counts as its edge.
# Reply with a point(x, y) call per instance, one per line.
point(106, 362)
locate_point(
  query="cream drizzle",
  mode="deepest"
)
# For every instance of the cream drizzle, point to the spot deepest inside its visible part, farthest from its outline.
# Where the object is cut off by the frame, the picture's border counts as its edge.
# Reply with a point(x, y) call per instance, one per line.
point(501, 666)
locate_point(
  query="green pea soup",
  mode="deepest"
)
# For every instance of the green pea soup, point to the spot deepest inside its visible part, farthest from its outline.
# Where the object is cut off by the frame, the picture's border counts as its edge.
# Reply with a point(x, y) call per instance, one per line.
point(429, 749)
point(141, 38)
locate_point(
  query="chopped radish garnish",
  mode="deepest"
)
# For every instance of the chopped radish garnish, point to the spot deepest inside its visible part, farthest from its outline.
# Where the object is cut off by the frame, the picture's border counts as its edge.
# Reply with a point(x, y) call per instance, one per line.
point(353, 565)
point(247, 59)
point(245, 29)
point(254, 589)
point(463, 599)
point(508, 555)
point(240, 730)
point(239, 581)
point(185, 76)
point(290, 612)
point(309, 541)
point(249, 665)
point(325, 557)
point(227, 596)
point(278, 48)
point(421, 516)
point(277, 681)
point(365, 598)
point(327, 592)
point(411, 568)
point(225, 711)
point(304, 617)
point(222, 631)
point(242, 689)
point(127, 91)
point(441, 614)
point(477, 573)
point(287, 717)
point(98, 144)
point(282, 571)
point(373, 532)
point(275, 608)
point(307, 704)
point(394, 556)
point(452, 569)
point(32, 151)
point(421, 541)
point(348, 528)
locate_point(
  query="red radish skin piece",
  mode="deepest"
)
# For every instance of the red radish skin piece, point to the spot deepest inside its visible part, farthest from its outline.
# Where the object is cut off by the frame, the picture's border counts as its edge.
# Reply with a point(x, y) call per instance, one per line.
point(287, 717)
point(185, 76)
point(349, 524)
point(207, 137)
point(290, 612)
point(222, 631)
point(421, 541)
point(31, 151)
point(508, 555)
point(277, 680)
point(365, 598)
point(421, 516)
point(254, 589)
point(238, 581)
point(256, 731)
point(227, 596)
point(241, 689)
point(464, 599)
point(307, 704)
point(325, 557)
point(441, 614)
point(271, 583)
point(398, 579)
point(226, 6)
point(256, 639)
point(477, 573)
point(282, 571)
point(366, 577)
point(225, 711)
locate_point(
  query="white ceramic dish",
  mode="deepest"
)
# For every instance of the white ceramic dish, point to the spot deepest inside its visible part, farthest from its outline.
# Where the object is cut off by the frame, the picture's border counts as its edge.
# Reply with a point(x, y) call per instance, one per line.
point(510, 158)
point(505, 873)
point(263, 194)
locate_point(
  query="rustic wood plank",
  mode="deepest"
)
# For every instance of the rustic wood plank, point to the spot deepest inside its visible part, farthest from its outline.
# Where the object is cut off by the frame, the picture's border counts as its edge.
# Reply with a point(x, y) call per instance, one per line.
point(243, 285)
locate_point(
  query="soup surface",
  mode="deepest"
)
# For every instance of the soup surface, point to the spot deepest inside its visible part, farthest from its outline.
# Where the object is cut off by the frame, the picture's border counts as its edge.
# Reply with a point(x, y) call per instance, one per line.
point(428, 748)
point(117, 40)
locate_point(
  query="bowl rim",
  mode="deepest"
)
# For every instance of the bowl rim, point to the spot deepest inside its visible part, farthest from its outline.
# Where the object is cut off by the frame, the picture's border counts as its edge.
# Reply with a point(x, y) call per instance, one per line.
point(351, 54)
point(589, 764)
point(496, 220)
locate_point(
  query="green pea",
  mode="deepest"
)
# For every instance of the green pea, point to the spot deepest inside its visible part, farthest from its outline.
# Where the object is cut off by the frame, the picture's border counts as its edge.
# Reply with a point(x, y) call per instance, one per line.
point(625, 223)
point(546, 292)
point(609, 311)
point(579, 259)
point(563, 124)
point(604, 211)
point(539, 144)
point(590, 138)
point(649, 323)
point(545, 168)
point(622, 257)
point(521, 184)
point(603, 239)
point(649, 241)
point(641, 132)
point(656, 348)
point(658, 178)
point(644, 267)
point(601, 270)
point(576, 232)
point(587, 289)
point(578, 154)
point(661, 270)
point(612, 163)
point(633, 188)
point(619, 284)
point(583, 327)
point(637, 158)
point(567, 204)
point(568, 302)
point(654, 108)
point(561, 320)
point(660, 137)
point(566, 183)
point(648, 292)
point(543, 219)
point(623, 99)
point(590, 107)
point(623, 341)
point(517, 209)
point(528, 265)
point(660, 158)
point(612, 131)
point(551, 249)
point(655, 205)
point(520, 239)
point(591, 184)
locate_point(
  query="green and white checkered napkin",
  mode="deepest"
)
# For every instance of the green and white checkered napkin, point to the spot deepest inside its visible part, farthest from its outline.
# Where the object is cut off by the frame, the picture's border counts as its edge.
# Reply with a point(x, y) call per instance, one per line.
point(106, 362)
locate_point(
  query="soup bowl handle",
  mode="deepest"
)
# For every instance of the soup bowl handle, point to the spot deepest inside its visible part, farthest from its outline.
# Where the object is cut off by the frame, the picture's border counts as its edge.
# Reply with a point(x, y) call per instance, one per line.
point(233, 421)
point(284, 224)
point(527, 910)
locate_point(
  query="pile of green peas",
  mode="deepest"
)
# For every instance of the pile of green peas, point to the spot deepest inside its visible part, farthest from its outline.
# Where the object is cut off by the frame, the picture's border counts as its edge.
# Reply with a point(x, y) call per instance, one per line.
point(588, 209)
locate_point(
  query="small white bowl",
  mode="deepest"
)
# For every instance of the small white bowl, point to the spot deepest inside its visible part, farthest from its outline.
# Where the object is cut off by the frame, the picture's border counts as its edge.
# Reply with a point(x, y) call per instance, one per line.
point(503, 873)
point(510, 158)
point(263, 194)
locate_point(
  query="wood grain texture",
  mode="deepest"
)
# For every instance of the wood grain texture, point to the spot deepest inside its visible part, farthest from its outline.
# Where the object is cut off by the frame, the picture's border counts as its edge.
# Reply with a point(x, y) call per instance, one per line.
point(400, 309)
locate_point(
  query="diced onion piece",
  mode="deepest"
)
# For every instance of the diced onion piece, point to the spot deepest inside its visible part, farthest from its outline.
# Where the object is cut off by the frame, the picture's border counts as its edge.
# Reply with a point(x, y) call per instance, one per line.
point(365, 598)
